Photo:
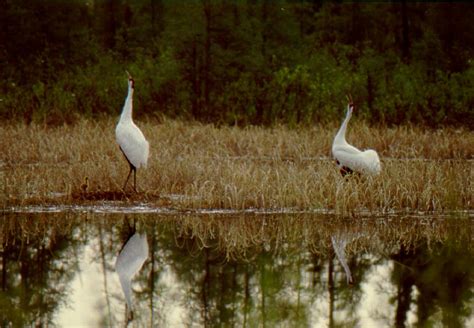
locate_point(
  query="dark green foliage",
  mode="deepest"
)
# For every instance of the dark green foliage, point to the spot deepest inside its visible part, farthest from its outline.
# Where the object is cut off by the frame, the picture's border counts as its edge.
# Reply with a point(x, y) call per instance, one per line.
point(239, 62)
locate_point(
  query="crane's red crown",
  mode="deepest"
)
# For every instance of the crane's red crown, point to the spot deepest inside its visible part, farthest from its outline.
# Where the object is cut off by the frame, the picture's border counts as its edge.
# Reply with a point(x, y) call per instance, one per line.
point(351, 103)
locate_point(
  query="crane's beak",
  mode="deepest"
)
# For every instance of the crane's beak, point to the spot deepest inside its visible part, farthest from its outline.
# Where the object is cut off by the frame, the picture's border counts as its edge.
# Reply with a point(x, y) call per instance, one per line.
point(350, 101)
point(349, 98)
point(130, 79)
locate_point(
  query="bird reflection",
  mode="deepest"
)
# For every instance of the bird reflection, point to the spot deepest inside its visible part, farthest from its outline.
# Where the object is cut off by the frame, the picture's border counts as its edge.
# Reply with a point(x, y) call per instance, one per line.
point(339, 243)
point(129, 261)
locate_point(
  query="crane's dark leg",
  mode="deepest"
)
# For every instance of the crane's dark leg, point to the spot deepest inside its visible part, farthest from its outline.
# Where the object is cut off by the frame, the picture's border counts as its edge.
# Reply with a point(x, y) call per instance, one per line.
point(132, 168)
point(343, 169)
point(135, 179)
point(128, 176)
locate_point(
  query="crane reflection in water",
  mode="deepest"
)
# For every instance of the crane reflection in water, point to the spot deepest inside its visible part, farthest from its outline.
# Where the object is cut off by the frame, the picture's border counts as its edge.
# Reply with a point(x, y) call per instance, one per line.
point(129, 261)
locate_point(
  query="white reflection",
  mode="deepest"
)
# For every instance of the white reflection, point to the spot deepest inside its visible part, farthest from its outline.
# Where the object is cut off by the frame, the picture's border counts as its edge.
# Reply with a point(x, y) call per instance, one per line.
point(129, 262)
point(339, 243)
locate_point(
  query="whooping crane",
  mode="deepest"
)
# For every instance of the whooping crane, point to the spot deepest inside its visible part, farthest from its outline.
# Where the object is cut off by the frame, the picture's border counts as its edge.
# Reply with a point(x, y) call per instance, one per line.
point(130, 138)
point(350, 159)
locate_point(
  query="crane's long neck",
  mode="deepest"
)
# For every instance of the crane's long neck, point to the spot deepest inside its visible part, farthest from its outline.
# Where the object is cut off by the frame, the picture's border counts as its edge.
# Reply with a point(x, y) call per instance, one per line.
point(341, 134)
point(128, 106)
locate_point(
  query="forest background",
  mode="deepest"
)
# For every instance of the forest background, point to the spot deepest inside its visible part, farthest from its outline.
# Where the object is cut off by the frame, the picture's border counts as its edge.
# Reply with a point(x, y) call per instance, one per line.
point(238, 62)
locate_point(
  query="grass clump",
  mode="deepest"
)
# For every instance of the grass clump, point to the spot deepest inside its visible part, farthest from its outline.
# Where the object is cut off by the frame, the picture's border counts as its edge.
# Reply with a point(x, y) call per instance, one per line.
point(194, 165)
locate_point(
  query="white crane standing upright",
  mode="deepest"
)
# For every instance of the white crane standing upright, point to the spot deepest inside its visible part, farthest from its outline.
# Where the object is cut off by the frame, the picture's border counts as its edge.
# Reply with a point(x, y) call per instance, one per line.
point(130, 138)
point(350, 159)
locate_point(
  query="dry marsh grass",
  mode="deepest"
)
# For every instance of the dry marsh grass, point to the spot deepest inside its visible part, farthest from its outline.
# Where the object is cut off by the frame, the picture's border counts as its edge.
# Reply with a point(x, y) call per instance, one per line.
point(193, 165)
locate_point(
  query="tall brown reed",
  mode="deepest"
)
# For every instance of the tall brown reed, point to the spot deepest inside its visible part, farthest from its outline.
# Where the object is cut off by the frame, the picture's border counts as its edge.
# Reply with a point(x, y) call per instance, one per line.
point(193, 165)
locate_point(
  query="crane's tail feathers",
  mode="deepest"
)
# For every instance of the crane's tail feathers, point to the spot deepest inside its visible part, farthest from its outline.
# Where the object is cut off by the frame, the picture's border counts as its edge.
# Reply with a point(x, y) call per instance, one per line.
point(373, 161)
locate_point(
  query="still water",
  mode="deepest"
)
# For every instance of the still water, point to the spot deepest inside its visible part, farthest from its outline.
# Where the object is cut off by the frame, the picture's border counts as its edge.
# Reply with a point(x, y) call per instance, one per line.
point(74, 268)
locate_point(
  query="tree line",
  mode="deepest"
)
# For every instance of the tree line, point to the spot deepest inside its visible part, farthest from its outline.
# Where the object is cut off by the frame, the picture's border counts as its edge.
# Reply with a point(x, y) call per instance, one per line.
point(238, 62)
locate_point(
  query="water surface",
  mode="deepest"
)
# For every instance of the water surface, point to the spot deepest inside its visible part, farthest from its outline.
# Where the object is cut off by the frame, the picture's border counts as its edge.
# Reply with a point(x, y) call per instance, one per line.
point(237, 269)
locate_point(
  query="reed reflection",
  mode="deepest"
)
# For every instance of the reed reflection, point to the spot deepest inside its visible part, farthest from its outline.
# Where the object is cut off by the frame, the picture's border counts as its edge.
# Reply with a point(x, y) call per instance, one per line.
point(246, 270)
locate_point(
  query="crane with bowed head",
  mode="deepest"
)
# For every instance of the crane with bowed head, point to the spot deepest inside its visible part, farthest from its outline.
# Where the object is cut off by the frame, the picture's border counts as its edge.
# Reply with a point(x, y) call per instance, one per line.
point(130, 138)
point(350, 159)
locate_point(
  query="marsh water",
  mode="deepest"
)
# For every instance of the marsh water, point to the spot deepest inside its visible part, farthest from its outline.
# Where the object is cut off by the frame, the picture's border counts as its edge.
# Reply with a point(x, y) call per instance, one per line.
point(58, 268)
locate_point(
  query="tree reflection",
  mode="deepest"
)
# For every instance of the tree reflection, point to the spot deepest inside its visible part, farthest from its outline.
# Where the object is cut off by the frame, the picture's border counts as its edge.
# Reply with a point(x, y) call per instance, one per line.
point(270, 287)
point(245, 271)
point(36, 270)
point(442, 276)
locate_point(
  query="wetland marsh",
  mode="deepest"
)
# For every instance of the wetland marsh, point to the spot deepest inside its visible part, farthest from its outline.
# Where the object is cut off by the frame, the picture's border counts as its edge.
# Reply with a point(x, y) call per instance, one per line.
point(241, 218)
point(245, 227)
point(195, 166)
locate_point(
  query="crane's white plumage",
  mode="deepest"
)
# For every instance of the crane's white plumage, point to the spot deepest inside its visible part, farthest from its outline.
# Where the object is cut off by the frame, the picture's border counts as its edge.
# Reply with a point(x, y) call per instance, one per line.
point(129, 262)
point(130, 138)
point(348, 157)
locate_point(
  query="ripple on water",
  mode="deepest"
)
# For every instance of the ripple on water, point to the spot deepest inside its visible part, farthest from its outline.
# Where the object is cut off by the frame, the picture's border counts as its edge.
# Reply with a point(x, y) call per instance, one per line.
point(112, 207)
